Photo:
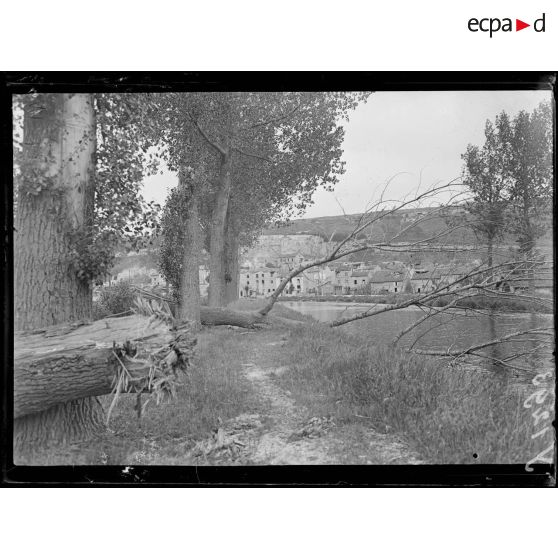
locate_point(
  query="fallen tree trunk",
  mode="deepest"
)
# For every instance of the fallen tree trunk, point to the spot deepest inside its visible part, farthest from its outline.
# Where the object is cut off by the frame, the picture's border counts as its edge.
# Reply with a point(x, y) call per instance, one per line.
point(225, 316)
point(212, 315)
point(64, 363)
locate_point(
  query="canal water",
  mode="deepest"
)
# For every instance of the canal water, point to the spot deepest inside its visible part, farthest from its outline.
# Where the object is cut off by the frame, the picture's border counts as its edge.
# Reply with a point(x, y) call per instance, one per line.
point(458, 329)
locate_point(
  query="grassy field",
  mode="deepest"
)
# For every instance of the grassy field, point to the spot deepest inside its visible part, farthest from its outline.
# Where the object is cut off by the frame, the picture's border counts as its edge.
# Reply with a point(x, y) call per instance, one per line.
point(448, 414)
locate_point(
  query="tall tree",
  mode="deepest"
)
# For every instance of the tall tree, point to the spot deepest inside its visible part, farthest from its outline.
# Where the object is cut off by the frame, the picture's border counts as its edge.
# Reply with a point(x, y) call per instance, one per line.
point(530, 175)
point(182, 244)
point(55, 202)
point(79, 171)
point(267, 150)
point(486, 175)
point(55, 198)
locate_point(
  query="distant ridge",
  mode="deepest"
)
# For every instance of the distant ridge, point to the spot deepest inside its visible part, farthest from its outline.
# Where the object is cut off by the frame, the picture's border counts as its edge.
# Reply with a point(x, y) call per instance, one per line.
point(339, 226)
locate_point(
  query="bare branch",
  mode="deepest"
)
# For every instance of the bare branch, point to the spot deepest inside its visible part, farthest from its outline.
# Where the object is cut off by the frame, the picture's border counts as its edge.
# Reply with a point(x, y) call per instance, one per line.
point(547, 331)
point(480, 279)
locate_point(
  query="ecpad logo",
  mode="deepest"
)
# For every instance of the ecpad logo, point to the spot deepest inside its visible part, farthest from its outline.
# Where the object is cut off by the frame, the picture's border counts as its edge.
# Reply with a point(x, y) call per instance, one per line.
point(493, 25)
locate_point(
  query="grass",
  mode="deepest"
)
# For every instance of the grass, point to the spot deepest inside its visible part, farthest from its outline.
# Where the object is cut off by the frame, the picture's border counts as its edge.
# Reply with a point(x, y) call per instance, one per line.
point(214, 388)
point(448, 414)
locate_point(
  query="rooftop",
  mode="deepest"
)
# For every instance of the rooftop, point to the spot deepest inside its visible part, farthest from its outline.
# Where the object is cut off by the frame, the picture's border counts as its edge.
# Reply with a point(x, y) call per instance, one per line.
point(426, 275)
point(385, 277)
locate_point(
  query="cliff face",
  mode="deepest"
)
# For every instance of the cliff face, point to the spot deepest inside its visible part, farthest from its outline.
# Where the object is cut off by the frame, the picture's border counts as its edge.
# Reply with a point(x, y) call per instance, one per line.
point(273, 247)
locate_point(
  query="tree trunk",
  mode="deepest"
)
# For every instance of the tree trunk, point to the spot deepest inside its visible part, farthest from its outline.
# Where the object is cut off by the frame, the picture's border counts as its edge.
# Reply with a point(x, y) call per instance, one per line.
point(226, 316)
point(528, 241)
point(232, 268)
point(57, 370)
point(55, 199)
point(71, 422)
point(63, 363)
point(189, 309)
point(217, 234)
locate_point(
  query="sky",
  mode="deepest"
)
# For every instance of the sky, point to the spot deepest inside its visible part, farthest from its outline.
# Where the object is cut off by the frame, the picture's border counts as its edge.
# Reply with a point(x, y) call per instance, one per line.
point(417, 135)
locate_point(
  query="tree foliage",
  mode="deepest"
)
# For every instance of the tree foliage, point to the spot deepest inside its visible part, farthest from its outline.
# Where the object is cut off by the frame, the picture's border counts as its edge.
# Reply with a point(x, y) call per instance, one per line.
point(510, 176)
point(486, 173)
point(122, 218)
point(125, 156)
point(530, 174)
point(174, 235)
point(275, 149)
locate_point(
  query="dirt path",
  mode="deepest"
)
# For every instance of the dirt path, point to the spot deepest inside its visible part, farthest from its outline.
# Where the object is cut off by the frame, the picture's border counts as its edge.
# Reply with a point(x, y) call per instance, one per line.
point(284, 433)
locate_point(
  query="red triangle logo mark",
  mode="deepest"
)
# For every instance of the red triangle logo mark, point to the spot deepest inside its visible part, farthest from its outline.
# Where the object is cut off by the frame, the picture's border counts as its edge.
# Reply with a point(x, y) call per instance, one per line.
point(519, 25)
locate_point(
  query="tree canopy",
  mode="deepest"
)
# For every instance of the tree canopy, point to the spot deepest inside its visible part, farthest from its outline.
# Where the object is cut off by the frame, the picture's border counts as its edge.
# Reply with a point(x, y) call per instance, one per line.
point(274, 148)
point(510, 177)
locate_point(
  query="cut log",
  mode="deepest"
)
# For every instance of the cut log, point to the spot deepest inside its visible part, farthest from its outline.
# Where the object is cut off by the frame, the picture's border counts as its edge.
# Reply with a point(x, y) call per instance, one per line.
point(226, 316)
point(64, 363)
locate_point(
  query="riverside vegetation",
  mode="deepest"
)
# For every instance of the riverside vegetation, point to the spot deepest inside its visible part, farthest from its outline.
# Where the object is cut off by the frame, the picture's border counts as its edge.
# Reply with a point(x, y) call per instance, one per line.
point(447, 413)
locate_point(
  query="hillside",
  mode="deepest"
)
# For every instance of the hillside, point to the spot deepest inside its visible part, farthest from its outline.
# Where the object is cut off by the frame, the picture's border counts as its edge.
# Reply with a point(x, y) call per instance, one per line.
point(338, 226)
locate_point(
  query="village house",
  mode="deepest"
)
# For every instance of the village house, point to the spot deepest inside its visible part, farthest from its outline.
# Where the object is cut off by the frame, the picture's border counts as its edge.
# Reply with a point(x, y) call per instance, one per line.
point(297, 286)
point(258, 282)
point(342, 284)
point(360, 279)
point(318, 280)
point(386, 282)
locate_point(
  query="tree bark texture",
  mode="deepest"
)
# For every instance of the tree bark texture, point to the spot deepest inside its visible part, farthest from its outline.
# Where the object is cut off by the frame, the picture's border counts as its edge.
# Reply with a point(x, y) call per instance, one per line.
point(232, 267)
point(54, 199)
point(61, 364)
point(71, 422)
point(189, 309)
point(218, 233)
point(528, 245)
point(226, 316)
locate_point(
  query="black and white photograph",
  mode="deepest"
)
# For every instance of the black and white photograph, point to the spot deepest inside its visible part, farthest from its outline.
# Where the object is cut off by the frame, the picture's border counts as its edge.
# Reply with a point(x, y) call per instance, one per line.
point(293, 277)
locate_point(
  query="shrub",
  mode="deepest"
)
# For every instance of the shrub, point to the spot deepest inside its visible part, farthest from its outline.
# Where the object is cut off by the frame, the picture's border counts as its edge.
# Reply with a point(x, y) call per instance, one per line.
point(116, 299)
point(98, 311)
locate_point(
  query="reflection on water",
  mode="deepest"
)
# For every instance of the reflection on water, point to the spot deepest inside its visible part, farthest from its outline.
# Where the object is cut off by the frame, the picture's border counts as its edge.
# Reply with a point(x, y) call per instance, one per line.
point(456, 329)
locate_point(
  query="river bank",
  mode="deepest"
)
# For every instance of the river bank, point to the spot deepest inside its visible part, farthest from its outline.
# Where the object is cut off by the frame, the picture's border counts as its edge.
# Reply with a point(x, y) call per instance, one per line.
point(312, 394)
